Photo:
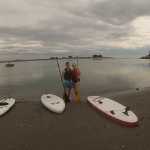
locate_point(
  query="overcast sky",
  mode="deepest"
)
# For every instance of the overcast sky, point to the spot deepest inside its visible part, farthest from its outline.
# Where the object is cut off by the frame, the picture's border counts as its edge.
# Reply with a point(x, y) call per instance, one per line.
point(45, 28)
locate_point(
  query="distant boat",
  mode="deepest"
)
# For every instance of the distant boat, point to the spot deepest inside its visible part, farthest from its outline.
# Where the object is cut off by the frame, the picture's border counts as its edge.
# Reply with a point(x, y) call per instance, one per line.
point(9, 65)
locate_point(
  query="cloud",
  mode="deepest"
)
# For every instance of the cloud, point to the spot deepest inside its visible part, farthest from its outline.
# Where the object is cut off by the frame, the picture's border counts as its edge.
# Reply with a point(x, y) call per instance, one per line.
point(72, 27)
point(119, 12)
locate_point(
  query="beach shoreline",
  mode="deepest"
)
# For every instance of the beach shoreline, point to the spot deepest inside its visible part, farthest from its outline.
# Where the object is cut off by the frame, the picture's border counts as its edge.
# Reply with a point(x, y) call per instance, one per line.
point(29, 125)
point(55, 59)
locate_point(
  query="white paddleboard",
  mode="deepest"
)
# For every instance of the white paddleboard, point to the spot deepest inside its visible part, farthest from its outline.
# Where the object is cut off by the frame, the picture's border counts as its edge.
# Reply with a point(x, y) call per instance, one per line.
point(53, 103)
point(113, 110)
point(4, 108)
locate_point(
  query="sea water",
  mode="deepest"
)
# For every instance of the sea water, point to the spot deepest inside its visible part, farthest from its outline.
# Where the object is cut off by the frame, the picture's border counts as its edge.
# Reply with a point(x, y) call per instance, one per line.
point(29, 80)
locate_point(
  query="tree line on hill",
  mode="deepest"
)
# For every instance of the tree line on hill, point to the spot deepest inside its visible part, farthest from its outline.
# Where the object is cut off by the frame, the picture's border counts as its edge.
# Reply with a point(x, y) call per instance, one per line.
point(94, 56)
point(97, 56)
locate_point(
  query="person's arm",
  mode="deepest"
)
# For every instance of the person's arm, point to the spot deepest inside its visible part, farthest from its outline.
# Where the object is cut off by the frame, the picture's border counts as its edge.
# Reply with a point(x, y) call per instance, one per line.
point(79, 73)
point(62, 77)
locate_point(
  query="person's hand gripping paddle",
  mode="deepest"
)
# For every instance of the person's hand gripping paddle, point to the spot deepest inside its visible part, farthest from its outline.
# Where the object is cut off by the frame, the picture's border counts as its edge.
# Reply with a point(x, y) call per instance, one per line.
point(67, 100)
point(78, 97)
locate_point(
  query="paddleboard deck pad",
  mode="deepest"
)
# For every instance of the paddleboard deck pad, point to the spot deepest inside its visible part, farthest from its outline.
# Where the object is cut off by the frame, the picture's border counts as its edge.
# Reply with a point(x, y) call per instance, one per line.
point(113, 110)
point(53, 103)
point(5, 105)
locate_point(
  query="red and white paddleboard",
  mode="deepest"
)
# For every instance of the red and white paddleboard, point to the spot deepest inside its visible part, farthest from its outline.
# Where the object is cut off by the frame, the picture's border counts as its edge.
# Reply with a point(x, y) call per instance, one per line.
point(113, 110)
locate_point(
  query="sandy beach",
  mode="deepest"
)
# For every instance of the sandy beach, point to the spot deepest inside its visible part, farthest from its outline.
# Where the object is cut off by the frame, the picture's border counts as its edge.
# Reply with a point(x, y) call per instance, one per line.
point(29, 125)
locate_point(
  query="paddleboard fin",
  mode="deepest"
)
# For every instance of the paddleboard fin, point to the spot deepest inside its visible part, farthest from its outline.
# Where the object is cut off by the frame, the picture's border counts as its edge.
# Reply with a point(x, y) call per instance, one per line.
point(126, 111)
point(55, 103)
point(100, 102)
point(49, 97)
point(112, 112)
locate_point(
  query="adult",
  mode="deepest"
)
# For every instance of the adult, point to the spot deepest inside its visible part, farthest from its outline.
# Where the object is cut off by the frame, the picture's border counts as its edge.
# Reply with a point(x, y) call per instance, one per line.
point(76, 75)
point(67, 79)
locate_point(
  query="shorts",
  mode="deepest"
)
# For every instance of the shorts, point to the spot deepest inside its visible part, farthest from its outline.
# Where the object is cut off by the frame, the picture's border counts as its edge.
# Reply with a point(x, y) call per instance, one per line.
point(68, 85)
point(75, 81)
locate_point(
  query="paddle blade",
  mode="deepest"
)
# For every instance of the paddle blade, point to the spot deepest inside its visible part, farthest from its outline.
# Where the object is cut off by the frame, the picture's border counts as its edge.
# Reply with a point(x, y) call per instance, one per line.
point(78, 98)
point(67, 100)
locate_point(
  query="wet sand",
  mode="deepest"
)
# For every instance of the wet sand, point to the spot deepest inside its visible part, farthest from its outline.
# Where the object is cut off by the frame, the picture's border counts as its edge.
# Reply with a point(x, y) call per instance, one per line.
point(29, 125)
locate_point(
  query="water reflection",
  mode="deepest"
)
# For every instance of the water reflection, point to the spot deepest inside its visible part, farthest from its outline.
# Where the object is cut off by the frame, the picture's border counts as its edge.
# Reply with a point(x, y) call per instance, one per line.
point(101, 76)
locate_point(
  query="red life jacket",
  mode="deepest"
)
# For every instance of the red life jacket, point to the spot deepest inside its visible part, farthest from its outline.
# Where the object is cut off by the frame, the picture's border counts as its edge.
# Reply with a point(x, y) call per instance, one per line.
point(74, 74)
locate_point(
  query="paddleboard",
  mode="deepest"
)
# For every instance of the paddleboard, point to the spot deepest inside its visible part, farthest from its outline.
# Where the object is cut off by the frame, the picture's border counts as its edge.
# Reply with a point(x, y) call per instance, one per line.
point(113, 110)
point(5, 105)
point(53, 103)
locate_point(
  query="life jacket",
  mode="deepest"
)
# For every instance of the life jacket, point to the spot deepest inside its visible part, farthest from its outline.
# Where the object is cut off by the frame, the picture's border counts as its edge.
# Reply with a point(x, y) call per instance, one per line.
point(74, 74)
point(68, 74)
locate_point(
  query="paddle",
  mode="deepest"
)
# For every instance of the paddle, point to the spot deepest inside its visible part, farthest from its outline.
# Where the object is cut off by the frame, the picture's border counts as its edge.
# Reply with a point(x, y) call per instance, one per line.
point(78, 97)
point(66, 96)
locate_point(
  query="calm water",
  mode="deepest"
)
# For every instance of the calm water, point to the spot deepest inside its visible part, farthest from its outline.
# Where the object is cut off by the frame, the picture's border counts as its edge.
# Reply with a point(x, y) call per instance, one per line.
point(29, 80)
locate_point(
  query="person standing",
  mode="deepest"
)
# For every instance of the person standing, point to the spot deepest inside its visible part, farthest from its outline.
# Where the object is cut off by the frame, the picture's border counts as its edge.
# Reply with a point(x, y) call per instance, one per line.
point(76, 75)
point(67, 79)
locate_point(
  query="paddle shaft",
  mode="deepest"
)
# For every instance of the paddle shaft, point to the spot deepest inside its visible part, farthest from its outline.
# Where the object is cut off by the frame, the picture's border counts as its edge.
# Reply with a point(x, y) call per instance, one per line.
point(77, 62)
point(77, 67)
point(4, 99)
point(60, 72)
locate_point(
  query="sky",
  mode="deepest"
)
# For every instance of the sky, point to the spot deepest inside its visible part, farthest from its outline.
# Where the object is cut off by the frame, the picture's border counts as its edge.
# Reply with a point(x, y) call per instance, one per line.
point(47, 28)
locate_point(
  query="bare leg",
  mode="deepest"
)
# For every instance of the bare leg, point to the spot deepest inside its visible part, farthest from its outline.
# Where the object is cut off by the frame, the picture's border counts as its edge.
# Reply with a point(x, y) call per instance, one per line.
point(74, 85)
point(64, 94)
point(69, 91)
point(77, 88)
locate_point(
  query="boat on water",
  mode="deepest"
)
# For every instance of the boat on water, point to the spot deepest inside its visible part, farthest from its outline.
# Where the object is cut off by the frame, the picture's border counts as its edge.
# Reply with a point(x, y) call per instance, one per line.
point(9, 64)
